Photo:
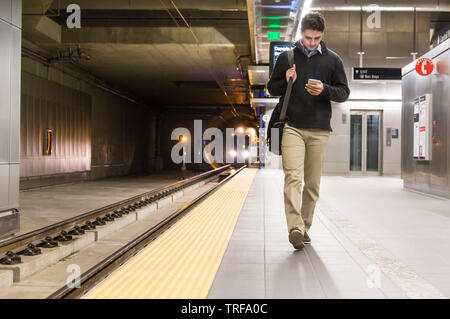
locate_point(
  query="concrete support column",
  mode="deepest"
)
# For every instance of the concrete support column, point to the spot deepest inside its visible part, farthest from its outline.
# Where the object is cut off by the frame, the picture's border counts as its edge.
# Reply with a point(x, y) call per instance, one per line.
point(10, 69)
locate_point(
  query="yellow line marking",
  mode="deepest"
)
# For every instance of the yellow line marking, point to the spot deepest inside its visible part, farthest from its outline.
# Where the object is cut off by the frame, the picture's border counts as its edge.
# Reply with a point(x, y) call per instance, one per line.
point(183, 261)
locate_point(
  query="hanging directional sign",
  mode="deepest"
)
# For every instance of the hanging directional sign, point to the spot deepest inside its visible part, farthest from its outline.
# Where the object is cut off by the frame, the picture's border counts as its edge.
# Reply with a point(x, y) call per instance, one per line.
point(377, 74)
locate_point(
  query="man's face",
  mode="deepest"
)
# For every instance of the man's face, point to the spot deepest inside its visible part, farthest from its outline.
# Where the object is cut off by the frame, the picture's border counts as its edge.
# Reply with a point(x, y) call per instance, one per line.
point(311, 39)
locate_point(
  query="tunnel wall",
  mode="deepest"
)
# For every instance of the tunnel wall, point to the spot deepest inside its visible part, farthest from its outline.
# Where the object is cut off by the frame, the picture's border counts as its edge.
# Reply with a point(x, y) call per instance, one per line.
point(118, 136)
point(67, 112)
point(171, 120)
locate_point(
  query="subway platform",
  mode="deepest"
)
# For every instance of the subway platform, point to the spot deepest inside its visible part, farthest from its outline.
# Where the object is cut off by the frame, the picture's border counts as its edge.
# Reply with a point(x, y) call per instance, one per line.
point(234, 245)
point(363, 226)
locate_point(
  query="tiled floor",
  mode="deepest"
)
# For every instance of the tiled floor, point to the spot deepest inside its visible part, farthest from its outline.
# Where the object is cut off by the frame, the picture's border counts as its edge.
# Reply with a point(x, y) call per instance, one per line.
point(261, 263)
point(411, 226)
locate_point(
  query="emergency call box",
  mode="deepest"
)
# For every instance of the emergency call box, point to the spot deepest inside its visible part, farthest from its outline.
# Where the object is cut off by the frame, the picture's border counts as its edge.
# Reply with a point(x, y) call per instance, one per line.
point(423, 113)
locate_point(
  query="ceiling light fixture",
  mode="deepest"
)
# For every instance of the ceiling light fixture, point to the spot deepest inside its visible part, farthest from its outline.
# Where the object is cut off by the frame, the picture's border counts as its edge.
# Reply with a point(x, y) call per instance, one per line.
point(305, 10)
point(371, 8)
point(275, 18)
point(396, 57)
point(274, 6)
point(274, 26)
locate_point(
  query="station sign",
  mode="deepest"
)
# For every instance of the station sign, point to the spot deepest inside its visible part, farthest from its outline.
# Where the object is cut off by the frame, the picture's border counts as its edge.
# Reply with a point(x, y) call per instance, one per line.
point(377, 74)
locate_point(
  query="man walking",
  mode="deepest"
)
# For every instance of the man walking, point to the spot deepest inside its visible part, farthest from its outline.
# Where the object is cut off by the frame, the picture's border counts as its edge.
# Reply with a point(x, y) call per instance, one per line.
point(307, 130)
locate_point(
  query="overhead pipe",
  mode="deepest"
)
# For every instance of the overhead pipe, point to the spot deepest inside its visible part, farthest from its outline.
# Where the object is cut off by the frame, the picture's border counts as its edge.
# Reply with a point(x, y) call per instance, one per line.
point(71, 56)
point(414, 53)
point(93, 81)
point(361, 52)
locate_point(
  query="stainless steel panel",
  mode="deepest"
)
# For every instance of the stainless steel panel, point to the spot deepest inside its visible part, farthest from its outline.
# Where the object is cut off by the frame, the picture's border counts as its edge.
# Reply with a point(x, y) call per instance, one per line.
point(14, 177)
point(9, 223)
point(433, 176)
point(440, 86)
point(16, 11)
point(5, 92)
point(409, 89)
point(5, 10)
point(14, 155)
point(4, 186)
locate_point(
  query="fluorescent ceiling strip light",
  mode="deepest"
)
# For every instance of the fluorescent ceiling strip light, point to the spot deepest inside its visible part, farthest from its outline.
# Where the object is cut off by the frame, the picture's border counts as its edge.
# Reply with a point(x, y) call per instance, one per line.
point(275, 18)
point(274, 6)
point(306, 8)
point(380, 8)
point(396, 58)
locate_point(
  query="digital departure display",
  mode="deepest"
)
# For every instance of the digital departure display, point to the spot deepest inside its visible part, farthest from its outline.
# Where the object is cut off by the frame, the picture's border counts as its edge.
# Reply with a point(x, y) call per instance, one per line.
point(276, 48)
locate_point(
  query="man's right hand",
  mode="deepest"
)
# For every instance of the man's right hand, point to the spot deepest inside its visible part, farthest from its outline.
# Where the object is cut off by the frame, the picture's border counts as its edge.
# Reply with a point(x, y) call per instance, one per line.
point(291, 73)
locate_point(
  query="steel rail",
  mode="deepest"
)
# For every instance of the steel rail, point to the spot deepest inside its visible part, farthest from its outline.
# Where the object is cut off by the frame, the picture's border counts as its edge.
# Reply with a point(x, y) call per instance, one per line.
point(99, 272)
point(151, 196)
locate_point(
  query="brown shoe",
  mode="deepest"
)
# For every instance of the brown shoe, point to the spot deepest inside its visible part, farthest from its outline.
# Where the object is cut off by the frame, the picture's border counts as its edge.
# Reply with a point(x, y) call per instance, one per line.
point(306, 239)
point(296, 238)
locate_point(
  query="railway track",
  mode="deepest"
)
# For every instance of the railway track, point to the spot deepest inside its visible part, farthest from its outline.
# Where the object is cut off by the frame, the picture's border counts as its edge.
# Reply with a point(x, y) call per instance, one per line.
point(32, 243)
point(99, 272)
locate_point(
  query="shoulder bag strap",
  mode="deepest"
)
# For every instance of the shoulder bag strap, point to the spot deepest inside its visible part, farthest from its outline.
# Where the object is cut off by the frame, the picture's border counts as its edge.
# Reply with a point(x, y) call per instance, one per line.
point(289, 87)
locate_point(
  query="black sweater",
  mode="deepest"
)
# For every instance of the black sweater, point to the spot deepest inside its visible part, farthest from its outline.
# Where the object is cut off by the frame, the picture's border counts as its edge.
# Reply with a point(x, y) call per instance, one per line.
point(304, 109)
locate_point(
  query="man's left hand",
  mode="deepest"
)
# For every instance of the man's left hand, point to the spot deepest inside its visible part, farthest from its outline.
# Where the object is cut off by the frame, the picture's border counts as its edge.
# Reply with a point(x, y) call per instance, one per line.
point(314, 89)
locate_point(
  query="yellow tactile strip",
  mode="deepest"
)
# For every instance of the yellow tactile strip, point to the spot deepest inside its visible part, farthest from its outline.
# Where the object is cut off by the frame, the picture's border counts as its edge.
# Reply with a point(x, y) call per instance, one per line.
point(183, 261)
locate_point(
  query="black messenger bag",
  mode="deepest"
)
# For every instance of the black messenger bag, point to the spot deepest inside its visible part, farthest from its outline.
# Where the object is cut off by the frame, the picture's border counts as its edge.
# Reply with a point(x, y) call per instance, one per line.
point(278, 120)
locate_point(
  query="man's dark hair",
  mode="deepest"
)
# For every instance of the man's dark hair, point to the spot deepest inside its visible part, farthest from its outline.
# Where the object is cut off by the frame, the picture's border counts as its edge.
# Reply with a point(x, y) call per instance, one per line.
point(313, 21)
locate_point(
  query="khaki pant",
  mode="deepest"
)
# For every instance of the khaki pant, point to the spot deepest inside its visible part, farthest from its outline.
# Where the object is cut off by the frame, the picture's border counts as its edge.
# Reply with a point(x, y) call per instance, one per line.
point(302, 152)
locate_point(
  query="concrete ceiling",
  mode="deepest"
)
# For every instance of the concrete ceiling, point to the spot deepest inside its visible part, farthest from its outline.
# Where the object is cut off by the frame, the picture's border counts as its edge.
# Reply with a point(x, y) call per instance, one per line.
point(146, 48)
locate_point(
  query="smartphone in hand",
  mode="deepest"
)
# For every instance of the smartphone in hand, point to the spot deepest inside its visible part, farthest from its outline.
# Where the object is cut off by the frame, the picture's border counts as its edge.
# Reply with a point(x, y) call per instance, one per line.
point(313, 82)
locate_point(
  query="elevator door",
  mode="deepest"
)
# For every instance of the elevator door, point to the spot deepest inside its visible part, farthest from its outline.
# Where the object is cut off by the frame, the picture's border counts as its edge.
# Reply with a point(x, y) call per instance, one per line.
point(365, 142)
